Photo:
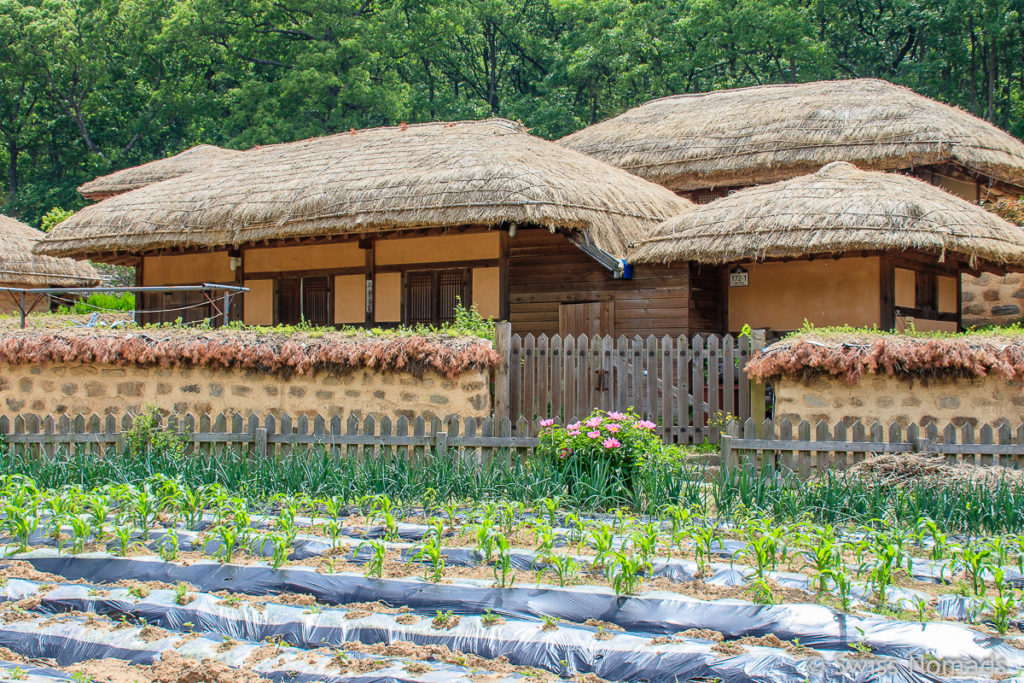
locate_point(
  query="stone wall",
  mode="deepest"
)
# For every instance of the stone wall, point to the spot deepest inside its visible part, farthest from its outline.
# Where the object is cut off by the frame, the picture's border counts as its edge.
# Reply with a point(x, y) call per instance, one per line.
point(83, 388)
point(992, 299)
point(900, 399)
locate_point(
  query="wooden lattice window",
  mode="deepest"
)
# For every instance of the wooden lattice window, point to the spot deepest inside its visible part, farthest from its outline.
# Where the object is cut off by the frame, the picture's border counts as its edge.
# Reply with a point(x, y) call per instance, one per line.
point(431, 295)
point(306, 299)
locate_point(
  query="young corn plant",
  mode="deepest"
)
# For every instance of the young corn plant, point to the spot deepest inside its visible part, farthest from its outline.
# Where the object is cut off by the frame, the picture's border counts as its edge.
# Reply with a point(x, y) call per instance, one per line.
point(123, 536)
point(508, 517)
point(80, 529)
point(930, 535)
point(705, 539)
point(1006, 603)
point(503, 572)
point(169, 545)
point(645, 541)
point(20, 521)
point(432, 554)
point(484, 534)
point(625, 573)
point(375, 565)
point(551, 507)
point(826, 557)
point(602, 538)
point(565, 568)
point(976, 559)
point(882, 573)
point(545, 538)
point(281, 545)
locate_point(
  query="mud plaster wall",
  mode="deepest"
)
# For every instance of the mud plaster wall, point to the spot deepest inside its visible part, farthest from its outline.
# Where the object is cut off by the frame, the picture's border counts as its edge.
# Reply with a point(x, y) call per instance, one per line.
point(77, 388)
point(893, 399)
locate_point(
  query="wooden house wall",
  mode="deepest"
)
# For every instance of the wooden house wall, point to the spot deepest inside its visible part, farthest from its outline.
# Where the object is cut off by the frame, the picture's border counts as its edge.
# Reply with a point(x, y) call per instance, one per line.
point(547, 270)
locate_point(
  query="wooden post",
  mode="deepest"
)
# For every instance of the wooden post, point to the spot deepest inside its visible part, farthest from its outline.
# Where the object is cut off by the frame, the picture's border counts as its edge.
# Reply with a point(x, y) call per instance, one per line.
point(441, 443)
point(502, 344)
point(260, 442)
point(370, 281)
point(758, 409)
point(725, 442)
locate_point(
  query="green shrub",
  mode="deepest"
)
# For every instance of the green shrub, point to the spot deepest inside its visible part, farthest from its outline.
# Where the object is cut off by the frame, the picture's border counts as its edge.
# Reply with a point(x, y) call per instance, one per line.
point(612, 443)
point(102, 303)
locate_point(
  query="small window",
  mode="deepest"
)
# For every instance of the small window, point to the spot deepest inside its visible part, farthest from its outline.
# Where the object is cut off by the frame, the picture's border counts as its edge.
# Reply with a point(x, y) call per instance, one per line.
point(304, 299)
point(431, 295)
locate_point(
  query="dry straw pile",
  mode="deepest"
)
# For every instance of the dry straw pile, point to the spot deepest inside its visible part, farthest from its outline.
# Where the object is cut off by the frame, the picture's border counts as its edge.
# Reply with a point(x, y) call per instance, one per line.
point(838, 209)
point(850, 356)
point(276, 353)
point(429, 175)
point(748, 136)
point(194, 159)
point(19, 267)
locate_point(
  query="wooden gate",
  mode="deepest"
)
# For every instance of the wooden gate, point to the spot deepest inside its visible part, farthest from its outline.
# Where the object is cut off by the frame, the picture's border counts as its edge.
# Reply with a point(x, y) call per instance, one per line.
point(680, 383)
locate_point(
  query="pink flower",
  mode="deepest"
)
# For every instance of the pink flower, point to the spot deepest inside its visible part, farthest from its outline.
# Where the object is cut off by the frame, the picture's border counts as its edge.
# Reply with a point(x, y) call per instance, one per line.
point(645, 424)
point(573, 432)
point(574, 425)
point(546, 423)
point(616, 416)
point(593, 422)
point(613, 427)
point(594, 434)
point(611, 443)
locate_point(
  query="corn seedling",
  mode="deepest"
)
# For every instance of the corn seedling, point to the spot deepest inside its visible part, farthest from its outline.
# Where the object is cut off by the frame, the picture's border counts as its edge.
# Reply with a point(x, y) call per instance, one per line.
point(169, 545)
point(508, 517)
point(645, 541)
point(760, 590)
point(565, 568)
point(432, 553)
point(484, 533)
point(1005, 604)
point(282, 548)
point(549, 623)
point(442, 619)
point(928, 530)
point(544, 536)
point(123, 536)
point(230, 541)
point(503, 572)
point(489, 618)
point(624, 572)
point(374, 565)
point(705, 539)
point(882, 573)
point(551, 507)
point(181, 594)
point(602, 537)
point(976, 559)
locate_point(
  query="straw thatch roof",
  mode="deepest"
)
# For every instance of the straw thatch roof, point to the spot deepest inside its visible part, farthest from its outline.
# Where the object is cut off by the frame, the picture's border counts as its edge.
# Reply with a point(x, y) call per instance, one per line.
point(190, 160)
point(749, 136)
point(19, 266)
point(838, 209)
point(421, 176)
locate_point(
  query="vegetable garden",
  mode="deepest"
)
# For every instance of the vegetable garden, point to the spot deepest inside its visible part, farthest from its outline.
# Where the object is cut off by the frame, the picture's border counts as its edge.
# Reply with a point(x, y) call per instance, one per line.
point(144, 562)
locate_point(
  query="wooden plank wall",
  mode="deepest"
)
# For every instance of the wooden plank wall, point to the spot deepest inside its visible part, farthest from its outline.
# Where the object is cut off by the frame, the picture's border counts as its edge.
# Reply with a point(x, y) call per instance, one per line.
point(546, 270)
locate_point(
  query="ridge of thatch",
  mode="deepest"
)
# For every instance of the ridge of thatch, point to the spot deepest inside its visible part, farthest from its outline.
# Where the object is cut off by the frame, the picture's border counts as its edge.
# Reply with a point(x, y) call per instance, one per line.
point(488, 172)
point(281, 353)
point(853, 355)
point(749, 136)
point(20, 267)
point(838, 209)
point(192, 159)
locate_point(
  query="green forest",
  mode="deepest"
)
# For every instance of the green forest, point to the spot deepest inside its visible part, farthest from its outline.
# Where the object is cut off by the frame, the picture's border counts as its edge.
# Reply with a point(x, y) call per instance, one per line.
point(90, 86)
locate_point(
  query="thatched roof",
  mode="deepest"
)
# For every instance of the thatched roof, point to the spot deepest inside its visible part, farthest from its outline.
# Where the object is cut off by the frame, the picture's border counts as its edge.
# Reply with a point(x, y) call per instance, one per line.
point(749, 136)
point(19, 266)
point(838, 209)
point(118, 182)
point(420, 176)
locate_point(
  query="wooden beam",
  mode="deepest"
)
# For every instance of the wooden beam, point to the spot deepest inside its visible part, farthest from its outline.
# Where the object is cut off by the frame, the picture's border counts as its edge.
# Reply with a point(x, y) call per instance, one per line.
point(503, 261)
point(369, 271)
point(887, 298)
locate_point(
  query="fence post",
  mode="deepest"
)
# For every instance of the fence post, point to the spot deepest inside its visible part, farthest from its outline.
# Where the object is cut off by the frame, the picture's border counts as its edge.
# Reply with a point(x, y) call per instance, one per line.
point(725, 443)
point(441, 443)
point(758, 408)
point(260, 441)
point(502, 344)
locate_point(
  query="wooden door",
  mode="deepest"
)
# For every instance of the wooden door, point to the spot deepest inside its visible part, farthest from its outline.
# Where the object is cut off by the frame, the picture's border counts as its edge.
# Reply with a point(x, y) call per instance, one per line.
point(595, 318)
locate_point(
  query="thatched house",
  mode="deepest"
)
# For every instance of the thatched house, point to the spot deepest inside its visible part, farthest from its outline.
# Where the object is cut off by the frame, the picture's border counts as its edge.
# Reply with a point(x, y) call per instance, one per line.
point(705, 145)
point(394, 225)
point(840, 246)
point(125, 180)
point(19, 267)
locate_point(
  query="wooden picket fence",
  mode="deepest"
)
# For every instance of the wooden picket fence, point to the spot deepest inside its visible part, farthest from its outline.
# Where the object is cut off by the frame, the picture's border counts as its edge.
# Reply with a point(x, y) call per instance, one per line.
point(805, 449)
point(271, 435)
point(680, 383)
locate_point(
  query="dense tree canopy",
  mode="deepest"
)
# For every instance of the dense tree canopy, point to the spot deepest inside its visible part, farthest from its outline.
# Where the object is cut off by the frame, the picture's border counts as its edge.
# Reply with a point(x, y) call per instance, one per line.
point(90, 86)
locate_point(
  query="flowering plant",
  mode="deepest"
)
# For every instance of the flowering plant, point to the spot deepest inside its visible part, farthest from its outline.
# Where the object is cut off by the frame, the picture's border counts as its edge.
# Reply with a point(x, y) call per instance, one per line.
point(612, 441)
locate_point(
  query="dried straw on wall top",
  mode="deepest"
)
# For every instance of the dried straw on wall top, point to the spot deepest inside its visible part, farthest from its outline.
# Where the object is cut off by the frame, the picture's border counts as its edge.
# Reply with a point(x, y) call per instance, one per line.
point(19, 266)
point(429, 175)
point(118, 182)
point(838, 209)
point(851, 356)
point(293, 353)
point(763, 134)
